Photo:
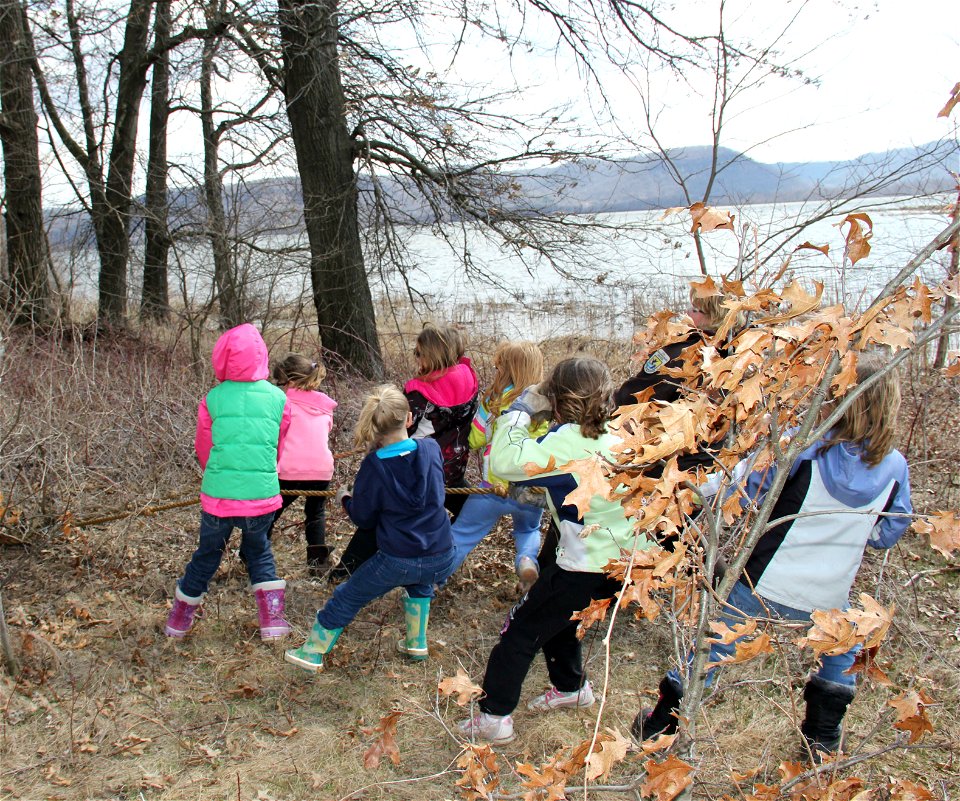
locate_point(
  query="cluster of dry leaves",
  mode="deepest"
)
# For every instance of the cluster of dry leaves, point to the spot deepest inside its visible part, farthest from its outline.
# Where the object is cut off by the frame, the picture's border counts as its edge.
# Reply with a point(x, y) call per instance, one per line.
point(745, 386)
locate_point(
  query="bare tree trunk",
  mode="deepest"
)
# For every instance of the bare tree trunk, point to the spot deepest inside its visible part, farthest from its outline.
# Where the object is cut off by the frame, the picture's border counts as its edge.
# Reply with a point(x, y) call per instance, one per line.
point(224, 271)
point(112, 222)
point(943, 343)
point(27, 247)
point(325, 154)
point(9, 657)
point(155, 300)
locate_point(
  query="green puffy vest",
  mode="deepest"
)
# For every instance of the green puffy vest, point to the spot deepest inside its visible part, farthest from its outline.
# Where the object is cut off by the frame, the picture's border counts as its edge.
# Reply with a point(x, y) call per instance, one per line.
point(246, 426)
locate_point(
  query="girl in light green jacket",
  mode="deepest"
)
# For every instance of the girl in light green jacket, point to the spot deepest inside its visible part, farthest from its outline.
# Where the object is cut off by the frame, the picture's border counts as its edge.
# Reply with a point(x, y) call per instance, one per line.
point(579, 394)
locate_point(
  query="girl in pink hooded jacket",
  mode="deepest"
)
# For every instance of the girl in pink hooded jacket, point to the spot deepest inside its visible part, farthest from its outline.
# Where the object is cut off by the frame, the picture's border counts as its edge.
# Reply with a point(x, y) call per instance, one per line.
point(241, 424)
point(306, 462)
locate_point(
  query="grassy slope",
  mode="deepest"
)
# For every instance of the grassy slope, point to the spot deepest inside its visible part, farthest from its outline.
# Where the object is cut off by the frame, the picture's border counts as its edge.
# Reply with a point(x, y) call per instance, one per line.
point(106, 707)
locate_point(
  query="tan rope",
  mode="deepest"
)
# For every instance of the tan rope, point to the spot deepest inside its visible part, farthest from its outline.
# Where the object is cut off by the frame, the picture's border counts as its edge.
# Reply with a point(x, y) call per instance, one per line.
point(148, 511)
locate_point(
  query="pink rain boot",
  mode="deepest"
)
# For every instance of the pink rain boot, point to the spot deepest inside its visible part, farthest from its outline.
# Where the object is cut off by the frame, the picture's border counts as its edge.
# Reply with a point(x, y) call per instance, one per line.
point(270, 609)
point(181, 615)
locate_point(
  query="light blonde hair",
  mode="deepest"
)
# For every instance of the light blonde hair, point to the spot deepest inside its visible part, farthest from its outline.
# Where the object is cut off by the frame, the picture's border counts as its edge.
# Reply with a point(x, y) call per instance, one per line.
point(516, 363)
point(581, 391)
point(870, 421)
point(298, 371)
point(436, 349)
point(384, 411)
point(710, 308)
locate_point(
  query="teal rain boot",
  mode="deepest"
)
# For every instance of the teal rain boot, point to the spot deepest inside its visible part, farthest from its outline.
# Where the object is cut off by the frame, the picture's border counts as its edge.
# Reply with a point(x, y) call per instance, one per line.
point(416, 614)
point(309, 656)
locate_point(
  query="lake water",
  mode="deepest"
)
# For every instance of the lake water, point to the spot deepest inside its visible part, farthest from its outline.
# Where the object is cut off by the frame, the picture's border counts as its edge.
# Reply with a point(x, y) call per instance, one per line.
point(605, 284)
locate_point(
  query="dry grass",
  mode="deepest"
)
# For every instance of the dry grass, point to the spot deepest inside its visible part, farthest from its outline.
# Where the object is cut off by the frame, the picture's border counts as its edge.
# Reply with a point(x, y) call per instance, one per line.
point(105, 706)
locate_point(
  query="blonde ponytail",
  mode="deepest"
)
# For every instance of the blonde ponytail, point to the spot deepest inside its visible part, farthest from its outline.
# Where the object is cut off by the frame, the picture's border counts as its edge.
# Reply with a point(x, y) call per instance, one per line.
point(384, 411)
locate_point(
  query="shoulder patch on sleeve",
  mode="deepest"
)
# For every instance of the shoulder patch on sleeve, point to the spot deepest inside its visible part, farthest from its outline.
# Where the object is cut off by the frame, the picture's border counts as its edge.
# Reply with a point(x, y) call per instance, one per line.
point(656, 361)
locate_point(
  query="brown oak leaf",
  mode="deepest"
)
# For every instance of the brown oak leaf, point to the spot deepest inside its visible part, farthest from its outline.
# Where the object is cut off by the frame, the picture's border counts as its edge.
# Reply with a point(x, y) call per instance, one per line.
point(824, 249)
point(460, 685)
point(951, 103)
point(911, 707)
point(547, 784)
point(610, 748)
point(857, 240)
point(705, 219)
point(943, 529)
point(903, 790)
point(667, 779)
point(481, 772)
point(747, 650)
point(866, 663)
point(591, 482)
point(596, 612)
point(385, 745)
point(871, 623)
point(706, 288)
point(727, 635)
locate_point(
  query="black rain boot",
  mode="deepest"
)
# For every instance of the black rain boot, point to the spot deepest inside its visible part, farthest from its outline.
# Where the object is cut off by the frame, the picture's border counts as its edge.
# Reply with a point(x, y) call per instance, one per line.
point(827, 703)
point(361, 547)
point(662, 718)
point(318, 560)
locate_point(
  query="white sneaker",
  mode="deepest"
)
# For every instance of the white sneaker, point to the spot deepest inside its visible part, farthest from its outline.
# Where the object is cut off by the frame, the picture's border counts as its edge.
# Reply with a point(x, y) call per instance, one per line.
point(488, 728)
point(555, 699)
point(527, 572)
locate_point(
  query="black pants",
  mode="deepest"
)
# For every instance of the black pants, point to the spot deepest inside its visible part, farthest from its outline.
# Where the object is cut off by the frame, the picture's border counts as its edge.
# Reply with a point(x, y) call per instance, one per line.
point(541, 622)
point(314, 509)
point(363, 543)
point(454, 503)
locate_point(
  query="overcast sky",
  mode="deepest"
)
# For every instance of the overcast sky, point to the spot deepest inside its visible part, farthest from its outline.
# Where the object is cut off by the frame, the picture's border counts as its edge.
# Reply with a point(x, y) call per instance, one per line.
point(881, 70)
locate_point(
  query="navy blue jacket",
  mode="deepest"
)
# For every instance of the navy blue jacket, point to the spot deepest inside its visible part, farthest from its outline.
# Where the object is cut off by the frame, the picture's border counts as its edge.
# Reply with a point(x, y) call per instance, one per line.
point(399, 491)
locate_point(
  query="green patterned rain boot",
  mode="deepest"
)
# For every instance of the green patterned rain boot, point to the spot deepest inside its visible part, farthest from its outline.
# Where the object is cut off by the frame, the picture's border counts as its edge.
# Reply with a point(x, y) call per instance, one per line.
point(416, 614)
point(309, 656)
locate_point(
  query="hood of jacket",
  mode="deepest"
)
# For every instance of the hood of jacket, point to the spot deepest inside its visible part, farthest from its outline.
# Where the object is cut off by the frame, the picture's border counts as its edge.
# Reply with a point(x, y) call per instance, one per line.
point(311, 401)
point(406, 477)
point(241, 355)
point(451, 387)
point(848, 479)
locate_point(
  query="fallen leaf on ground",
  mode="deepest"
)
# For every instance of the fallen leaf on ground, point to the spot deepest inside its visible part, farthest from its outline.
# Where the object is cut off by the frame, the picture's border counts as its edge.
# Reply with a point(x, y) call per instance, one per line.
point(911, 708)
point(385, 745)
point(460, 685)
point(611, 747)
point(667, 779)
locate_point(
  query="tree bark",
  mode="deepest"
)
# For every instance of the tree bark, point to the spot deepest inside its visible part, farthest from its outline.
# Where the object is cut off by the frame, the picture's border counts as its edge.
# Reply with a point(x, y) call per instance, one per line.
point(943, 343)
point(224, 272)
point(28, 301)
point(154, 299)
point(112, 221)
point(314, 96)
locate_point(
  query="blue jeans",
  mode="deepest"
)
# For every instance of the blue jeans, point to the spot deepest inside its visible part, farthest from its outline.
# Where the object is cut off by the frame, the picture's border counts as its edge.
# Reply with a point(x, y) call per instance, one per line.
point(214, 534)
point(480, 514)
point(832, 668)
point(377, 576)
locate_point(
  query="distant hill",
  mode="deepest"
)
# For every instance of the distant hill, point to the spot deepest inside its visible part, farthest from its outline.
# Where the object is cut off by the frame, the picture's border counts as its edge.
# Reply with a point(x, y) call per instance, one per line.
point(594, 186)
point(649, 183)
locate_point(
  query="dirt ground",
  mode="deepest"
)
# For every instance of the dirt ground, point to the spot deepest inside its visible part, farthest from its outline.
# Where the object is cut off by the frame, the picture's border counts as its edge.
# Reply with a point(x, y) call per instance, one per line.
point(104, 706)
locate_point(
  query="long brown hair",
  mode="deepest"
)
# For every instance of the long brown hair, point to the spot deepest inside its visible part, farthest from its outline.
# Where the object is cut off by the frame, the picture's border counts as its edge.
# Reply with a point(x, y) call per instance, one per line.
point(298, 371)
point(581, 390)
point(870, 421)
point(516, 363)
point(437, 348)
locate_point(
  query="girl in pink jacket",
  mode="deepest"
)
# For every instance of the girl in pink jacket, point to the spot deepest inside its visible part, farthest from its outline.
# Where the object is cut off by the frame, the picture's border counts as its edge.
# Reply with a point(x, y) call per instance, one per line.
point(306, 462)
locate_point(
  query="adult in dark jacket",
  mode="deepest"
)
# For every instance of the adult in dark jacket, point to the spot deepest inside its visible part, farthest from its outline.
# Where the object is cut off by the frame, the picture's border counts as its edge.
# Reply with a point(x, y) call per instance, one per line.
point(707, 315)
